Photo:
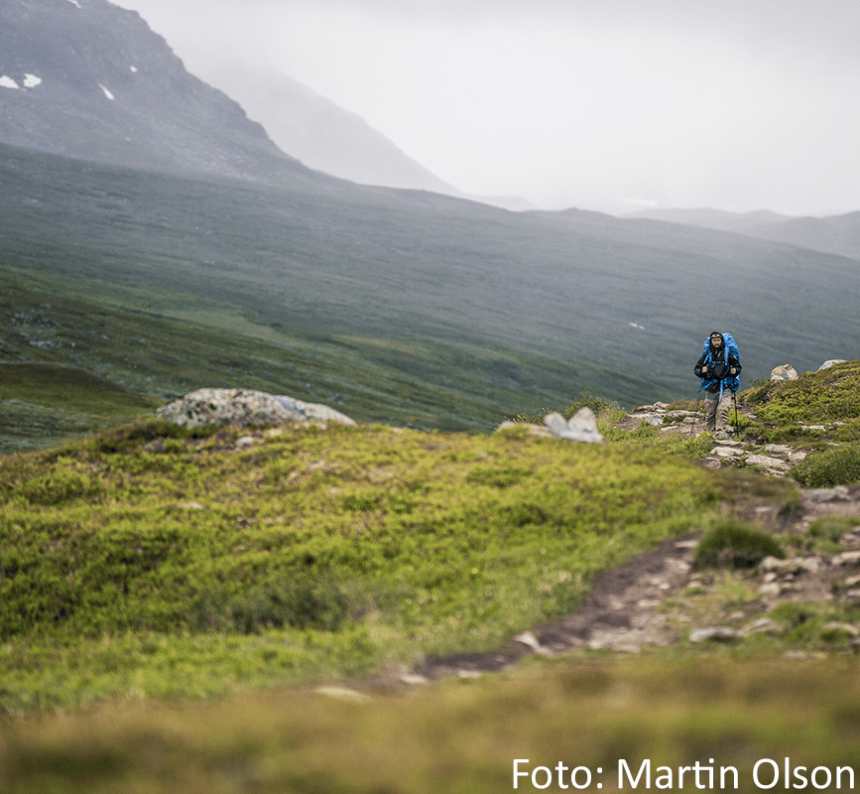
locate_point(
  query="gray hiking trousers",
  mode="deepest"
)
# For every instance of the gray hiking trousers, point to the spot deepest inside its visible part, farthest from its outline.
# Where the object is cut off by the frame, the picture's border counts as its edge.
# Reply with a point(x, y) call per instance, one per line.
point(719, 411)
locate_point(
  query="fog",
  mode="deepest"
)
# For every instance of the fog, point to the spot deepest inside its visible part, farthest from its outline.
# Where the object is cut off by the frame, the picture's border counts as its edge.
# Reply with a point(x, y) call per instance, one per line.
point(606, 104)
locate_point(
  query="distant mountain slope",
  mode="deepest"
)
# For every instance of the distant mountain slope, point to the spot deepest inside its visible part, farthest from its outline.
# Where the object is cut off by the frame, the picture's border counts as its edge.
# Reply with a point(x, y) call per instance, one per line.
point(837, 234)
point(87, 79)
point(448, 312)
point(714, 218)
point(320, 133)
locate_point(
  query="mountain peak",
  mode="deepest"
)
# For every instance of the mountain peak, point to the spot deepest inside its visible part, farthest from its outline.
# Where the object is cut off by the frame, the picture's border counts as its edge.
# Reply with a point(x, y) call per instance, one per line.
point(91, 80)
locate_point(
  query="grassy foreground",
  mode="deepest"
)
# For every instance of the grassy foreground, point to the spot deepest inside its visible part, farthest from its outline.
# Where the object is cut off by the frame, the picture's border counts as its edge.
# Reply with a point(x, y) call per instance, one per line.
point(149, 562)
point(459, 738)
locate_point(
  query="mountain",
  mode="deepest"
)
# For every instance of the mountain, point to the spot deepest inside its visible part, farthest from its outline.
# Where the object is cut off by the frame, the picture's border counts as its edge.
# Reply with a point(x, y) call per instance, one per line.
point(836, 234)
point(320, 133)
point(87, 79)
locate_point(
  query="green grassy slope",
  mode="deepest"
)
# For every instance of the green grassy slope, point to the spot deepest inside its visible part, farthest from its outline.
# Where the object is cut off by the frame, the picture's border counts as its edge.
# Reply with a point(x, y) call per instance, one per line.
point(104, 349)
point(145, 560)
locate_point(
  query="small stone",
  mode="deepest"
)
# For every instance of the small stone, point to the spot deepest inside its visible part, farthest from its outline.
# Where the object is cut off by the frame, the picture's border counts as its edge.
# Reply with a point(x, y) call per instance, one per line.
point(784, 372)
point(469, 675)
point(767, 462)
point(770, 590)
point(836, 631)
point(530, 429)
point(342, 693)
point(582, 427)
point(851, 582)
point(194, 506)
point(853, 596)
point(824, 495)
point(245, 442)
point(726, 452)
point(528, 639)
point(847, 559)
point(712, 463)
point(762, 626)
point(714, 634)
point(413, 679)
point(778, 449)
point(687, 545)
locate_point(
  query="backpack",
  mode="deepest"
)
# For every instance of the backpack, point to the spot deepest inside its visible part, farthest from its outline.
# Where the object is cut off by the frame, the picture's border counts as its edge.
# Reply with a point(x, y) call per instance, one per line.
point(730, 348)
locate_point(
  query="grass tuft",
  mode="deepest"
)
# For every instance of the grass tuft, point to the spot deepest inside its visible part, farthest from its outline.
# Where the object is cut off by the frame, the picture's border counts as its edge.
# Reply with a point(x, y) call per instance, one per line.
point(734, 544)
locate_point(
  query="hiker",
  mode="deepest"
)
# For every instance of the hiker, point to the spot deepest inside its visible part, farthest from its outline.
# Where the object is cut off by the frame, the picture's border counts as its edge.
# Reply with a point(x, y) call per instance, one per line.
point(719, 369)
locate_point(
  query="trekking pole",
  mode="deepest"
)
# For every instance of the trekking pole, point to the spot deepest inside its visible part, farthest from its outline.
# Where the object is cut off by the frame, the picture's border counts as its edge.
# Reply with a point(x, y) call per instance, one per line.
point(737, 416)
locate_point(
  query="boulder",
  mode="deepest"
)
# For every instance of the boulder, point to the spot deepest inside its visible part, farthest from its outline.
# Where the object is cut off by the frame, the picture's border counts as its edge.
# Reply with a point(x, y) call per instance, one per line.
point(582, 427)
point(244, 408)
point(314, 412)
point(831, 363)
point(784, 372)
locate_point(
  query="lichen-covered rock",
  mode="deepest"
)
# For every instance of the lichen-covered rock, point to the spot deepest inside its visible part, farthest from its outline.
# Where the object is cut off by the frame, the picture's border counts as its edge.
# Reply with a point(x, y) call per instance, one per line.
point(244, 408)
point(314, 411)
point(784, 372)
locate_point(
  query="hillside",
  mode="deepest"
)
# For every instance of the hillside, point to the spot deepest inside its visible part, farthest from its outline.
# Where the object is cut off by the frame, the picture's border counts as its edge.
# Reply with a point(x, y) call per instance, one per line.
point(91, 80)
point(421, 308)
point(836, 234)
point(152, 563)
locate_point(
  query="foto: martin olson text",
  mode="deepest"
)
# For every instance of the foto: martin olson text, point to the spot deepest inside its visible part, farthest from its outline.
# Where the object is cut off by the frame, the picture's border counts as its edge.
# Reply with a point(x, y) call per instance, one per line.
point(767, 774)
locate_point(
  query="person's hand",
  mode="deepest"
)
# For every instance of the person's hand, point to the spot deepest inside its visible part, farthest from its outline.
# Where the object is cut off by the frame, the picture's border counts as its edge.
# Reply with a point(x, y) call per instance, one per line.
point(733, 371)
point(704, 368)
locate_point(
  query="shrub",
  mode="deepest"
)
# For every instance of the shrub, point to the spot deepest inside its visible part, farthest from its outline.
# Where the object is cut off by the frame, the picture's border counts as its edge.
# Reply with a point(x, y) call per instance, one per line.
point(832, 528)
point(600, 405)
point(734, 544)
point(299, 600)
point(836, 466)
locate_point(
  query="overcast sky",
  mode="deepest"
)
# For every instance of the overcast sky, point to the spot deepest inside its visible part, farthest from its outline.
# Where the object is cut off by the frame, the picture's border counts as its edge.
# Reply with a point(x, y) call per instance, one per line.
point(604, 104)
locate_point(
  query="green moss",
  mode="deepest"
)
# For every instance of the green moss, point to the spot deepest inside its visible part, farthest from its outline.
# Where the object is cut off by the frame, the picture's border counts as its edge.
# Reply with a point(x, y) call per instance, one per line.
point(734, 544)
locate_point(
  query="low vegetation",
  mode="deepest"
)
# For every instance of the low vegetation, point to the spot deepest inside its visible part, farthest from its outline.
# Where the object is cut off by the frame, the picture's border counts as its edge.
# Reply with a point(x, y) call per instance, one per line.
point(792, 410)
point(153, 561)
point(458, 737)
point(835, 466)
point(733, 544)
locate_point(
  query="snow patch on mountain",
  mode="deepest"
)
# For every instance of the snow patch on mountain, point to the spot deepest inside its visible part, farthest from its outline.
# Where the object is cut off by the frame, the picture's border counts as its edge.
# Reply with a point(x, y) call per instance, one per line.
point(32, 80)
point(8, 82)
point(107, 92)
point(75, 3)
point(133, 69)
